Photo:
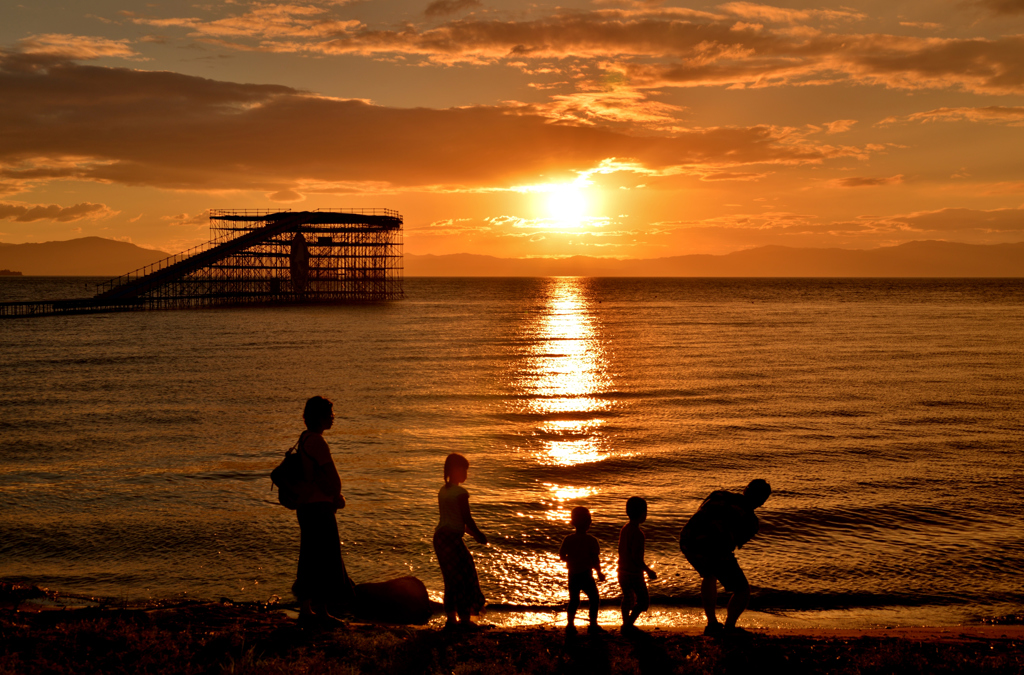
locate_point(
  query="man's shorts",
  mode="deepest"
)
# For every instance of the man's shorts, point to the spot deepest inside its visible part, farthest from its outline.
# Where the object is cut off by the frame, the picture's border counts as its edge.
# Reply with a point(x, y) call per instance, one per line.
point(720, 565)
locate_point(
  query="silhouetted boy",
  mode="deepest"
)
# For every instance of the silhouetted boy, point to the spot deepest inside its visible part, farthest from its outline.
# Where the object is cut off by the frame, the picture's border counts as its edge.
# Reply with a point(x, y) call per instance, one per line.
point(582, 553)
point(635, 598)
point(724, 522)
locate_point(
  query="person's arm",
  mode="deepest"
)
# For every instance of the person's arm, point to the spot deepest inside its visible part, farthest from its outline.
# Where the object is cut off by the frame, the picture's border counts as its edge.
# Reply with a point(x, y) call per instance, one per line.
point(468, 519)
point(325, 477)
point(561, 551)
point(746, 529)
point(640, 541)
point(596, 561)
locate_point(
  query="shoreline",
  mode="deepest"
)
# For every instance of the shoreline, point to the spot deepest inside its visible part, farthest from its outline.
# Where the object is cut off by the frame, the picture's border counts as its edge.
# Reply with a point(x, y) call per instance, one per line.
point(669, 618)
point(39, 636)
point(223, 638)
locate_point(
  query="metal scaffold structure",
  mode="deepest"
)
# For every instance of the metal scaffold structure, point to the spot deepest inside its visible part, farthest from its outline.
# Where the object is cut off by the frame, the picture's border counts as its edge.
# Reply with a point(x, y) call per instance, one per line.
point(260, 257)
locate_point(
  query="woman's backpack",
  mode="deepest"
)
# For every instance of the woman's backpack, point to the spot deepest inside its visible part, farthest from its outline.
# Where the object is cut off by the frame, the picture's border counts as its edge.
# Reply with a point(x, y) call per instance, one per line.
point(290, 477)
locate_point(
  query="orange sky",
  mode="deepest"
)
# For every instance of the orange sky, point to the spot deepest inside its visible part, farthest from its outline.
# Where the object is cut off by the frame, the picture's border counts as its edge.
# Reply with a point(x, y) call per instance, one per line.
point(622, 129)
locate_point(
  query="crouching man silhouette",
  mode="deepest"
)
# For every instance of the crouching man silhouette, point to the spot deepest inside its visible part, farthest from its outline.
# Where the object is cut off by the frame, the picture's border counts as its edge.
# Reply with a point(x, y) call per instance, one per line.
point(724, 522)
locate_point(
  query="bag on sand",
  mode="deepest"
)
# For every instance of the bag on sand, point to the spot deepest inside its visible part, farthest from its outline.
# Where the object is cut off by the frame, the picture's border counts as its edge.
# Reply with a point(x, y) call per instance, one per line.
point(290, 477)
point(403, 601)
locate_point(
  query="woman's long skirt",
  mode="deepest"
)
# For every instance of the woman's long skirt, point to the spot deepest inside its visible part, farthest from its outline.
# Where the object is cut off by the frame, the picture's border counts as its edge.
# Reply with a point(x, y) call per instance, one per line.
point(322, 577)
point(462, 592)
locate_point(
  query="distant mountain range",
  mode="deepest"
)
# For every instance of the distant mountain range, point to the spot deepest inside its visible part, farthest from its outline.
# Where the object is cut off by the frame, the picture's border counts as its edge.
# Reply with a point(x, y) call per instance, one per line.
point(85, 257)
point(914, 259)
point(95, 256)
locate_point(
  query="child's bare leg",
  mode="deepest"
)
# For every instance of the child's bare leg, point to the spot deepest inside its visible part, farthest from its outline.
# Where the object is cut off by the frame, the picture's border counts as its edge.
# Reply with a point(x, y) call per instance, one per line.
point(464, 617)
point(643, 601)
point(709, 595)
point(574, 604)
point(595, 601)
point(627, 605)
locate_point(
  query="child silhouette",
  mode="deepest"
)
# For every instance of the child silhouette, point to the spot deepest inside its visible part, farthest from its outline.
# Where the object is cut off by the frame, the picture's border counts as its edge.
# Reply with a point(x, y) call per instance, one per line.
point(582, 553)
point(462, 595)
point(635, 598)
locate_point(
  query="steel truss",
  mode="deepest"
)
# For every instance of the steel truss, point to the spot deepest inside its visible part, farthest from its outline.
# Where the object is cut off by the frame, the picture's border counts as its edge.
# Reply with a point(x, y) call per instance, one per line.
point(261, 257)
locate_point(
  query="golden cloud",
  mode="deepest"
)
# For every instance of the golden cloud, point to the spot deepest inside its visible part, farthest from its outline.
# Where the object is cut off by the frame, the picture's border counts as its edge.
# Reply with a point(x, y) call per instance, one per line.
point(28, 213)
point(76, 47)
point(1010, 115)
point(651, 46)
point(865, 181)
point(65, 120)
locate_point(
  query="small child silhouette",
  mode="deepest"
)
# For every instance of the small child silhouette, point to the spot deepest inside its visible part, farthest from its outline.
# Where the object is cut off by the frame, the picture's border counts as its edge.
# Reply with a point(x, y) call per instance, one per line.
point(582, 553)
point(635, 598)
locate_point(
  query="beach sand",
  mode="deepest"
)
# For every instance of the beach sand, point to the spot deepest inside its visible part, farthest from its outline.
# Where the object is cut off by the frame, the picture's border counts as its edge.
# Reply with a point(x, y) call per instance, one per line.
point(38, 635)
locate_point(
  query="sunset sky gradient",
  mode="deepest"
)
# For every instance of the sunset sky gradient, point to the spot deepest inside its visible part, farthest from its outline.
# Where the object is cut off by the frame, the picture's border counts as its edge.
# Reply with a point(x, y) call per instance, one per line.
point(620, 129)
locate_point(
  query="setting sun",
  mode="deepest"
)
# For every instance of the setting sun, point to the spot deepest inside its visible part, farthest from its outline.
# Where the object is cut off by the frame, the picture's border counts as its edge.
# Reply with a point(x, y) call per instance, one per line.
point(567, 204)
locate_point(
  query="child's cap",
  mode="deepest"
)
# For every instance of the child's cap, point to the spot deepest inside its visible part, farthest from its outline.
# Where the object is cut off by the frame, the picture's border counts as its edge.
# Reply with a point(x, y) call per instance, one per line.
point(580, 517)
point(636, 507)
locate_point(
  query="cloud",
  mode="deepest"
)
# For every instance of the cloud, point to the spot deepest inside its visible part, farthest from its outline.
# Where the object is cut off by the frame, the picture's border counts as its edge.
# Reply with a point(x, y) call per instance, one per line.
point(734, 175)
point(1010, 115)
point(927, 25)
point(76, 47)
point(865, 181)
point(898, 62)
point(1004, 188)
point(611, 106)
point(901, 227)
point(1002, 6)
point(839, 126)
point(64, 120)
point(447, 228)
point(955, 219)
point(269, 22)
point(754, 11)
point(198, 221)
point(446, 7)
point(650, 47)
point(285, 196)
point(30, 213)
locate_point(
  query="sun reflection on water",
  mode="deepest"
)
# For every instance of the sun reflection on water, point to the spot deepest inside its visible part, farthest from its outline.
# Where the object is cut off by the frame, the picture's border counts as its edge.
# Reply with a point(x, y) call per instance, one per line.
point(565, 374)
point(560, 404)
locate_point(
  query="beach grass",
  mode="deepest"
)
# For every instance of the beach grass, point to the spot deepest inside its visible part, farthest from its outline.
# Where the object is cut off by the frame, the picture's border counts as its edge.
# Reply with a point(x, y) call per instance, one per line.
point(261, 640)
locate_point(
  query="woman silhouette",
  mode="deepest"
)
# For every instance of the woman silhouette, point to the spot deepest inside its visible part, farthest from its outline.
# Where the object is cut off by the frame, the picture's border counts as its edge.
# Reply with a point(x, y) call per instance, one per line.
point(322, 581)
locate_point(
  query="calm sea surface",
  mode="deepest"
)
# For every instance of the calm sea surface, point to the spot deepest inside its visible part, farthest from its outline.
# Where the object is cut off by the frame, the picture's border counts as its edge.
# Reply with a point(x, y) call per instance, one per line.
point(886, 414)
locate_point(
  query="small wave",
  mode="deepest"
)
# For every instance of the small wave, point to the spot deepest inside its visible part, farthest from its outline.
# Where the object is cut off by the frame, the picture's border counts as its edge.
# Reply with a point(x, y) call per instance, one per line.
point(230, 475)
point(814, 523)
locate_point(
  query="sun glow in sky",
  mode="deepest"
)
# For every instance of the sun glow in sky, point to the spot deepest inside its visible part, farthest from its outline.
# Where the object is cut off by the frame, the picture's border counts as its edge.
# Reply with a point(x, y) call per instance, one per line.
point(658, 128)
point(567, 205)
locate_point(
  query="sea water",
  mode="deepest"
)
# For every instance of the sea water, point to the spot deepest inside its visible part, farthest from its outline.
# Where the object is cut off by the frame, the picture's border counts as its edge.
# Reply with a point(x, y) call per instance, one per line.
point(886, 414)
